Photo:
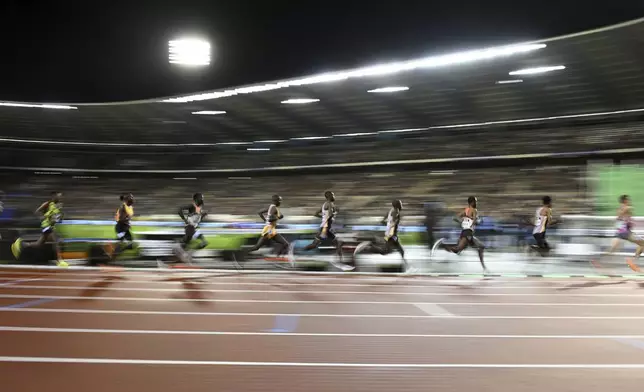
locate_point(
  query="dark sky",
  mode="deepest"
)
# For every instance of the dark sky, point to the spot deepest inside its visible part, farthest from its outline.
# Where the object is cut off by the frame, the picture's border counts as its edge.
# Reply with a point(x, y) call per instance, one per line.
point(96, 51)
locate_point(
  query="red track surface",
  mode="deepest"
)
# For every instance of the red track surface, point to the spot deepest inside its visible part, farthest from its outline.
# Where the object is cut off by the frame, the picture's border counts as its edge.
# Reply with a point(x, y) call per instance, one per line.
point(349, 333)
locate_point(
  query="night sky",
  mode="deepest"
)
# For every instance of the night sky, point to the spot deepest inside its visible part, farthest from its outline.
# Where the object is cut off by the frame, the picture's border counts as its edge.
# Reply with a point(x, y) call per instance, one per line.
point(97, 51)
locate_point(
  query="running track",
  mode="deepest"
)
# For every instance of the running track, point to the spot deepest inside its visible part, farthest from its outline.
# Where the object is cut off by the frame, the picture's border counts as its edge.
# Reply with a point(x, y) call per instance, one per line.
point(80, 330)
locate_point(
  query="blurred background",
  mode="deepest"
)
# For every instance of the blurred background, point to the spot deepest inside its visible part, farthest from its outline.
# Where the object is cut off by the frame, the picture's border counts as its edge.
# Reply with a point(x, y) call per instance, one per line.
point(506, 116)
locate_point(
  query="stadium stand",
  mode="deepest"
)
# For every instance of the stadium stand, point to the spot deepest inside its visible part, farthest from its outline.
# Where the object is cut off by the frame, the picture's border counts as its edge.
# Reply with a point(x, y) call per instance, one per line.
point(503, 192)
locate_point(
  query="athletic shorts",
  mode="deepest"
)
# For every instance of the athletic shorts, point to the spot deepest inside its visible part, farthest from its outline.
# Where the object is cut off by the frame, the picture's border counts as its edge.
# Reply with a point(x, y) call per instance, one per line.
point(472, 241)
point(625, 235)
point(325, 234)
point(191, 233)
point(123, 232)
point(269, 231)
point(541, 240)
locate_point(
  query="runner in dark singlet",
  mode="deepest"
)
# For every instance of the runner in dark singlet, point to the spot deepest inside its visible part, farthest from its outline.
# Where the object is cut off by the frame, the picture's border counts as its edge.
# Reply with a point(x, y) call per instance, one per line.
point(327, 213)
point(52, 214)
point(192, 215)
point(468, 218)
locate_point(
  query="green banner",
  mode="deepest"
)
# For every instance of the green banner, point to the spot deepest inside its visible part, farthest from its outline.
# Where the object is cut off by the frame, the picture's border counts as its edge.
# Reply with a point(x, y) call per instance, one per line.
point(616, 180)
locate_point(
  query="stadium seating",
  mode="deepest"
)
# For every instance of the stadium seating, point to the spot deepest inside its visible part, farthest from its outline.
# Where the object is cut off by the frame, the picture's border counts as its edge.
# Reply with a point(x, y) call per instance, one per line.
point(502, 192)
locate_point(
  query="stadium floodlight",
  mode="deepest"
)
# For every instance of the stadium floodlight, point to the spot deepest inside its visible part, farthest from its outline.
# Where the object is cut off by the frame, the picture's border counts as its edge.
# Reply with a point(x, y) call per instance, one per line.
point(392, 89)
point(511, 81)
point(210, 112)
point(38, 105)
point(300, 101)
point(537, 70)
point(258, 149)
point(453, 59)
point(189, 52)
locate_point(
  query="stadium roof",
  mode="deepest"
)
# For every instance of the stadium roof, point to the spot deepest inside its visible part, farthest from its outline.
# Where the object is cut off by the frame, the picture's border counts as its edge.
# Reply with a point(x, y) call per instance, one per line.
point(597, 72)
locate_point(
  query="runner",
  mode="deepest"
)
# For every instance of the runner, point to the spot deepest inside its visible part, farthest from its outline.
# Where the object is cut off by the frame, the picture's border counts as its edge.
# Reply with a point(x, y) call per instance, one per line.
point(272, 216)
point(123, 227)
point(392, 220)
point(543, 219)
point(327, 213)
point(52, 214)
point(624, 233)
point(468, 218)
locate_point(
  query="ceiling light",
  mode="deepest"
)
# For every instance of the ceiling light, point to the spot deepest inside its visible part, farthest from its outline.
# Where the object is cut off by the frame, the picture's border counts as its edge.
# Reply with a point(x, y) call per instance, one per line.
point(512, 81)
point(375, 70)
point(299, 101)
point(210, 112)
point(258, 149)
point(271, 141)
point(37, 105)
point(389, 89)
point(537, 70)
point(233, 143)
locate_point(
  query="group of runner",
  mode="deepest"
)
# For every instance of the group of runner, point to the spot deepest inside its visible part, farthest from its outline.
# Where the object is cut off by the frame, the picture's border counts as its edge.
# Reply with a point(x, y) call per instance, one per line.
point(193, 214)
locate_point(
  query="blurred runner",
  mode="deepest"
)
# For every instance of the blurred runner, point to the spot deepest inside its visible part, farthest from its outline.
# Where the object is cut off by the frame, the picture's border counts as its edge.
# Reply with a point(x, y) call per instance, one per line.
point(392, 220)
point(192, 215)
point(468, 218)
point(123, 227)
point(543, 219)
point(327, 213)
point(624, 226)
point(271, 216)
point(52, 214)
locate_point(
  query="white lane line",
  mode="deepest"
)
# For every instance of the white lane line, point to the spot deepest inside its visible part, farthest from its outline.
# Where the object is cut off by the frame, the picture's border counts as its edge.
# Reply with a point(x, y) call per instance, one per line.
point(311, 334)
point(434, 310)
point(315, 276)
point(13, 282)
point(320, 315)
point(295, 301)
point(445, 285)
point(323, 292)
point(168, 362)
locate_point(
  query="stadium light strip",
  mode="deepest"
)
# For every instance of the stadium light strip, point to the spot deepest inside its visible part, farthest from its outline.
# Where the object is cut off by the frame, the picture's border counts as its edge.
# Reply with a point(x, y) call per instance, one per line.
point(300, 101)
point(270, 141)
point(210, 112)
point(258, 149)
point(389, 89)
point(404, 130)
point(452, 59)
point(38, 105)
point(513, 81)
point(518, 121)
point(537, 70)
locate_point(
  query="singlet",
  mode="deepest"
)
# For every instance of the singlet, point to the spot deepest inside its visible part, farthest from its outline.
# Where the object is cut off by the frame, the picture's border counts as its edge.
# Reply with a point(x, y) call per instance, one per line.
point(540, 221)
point(194, 215)
point(53, 215)
point(467, 223)
point(392, 223)
point(268, 215)
point(327, 215)
point(624, 223)
point(124, 214)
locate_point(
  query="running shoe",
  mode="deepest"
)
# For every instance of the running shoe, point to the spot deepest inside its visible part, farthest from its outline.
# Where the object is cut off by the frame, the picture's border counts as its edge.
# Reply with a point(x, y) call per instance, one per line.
point(16, 248)
point(62, 264)
point(632, 265)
